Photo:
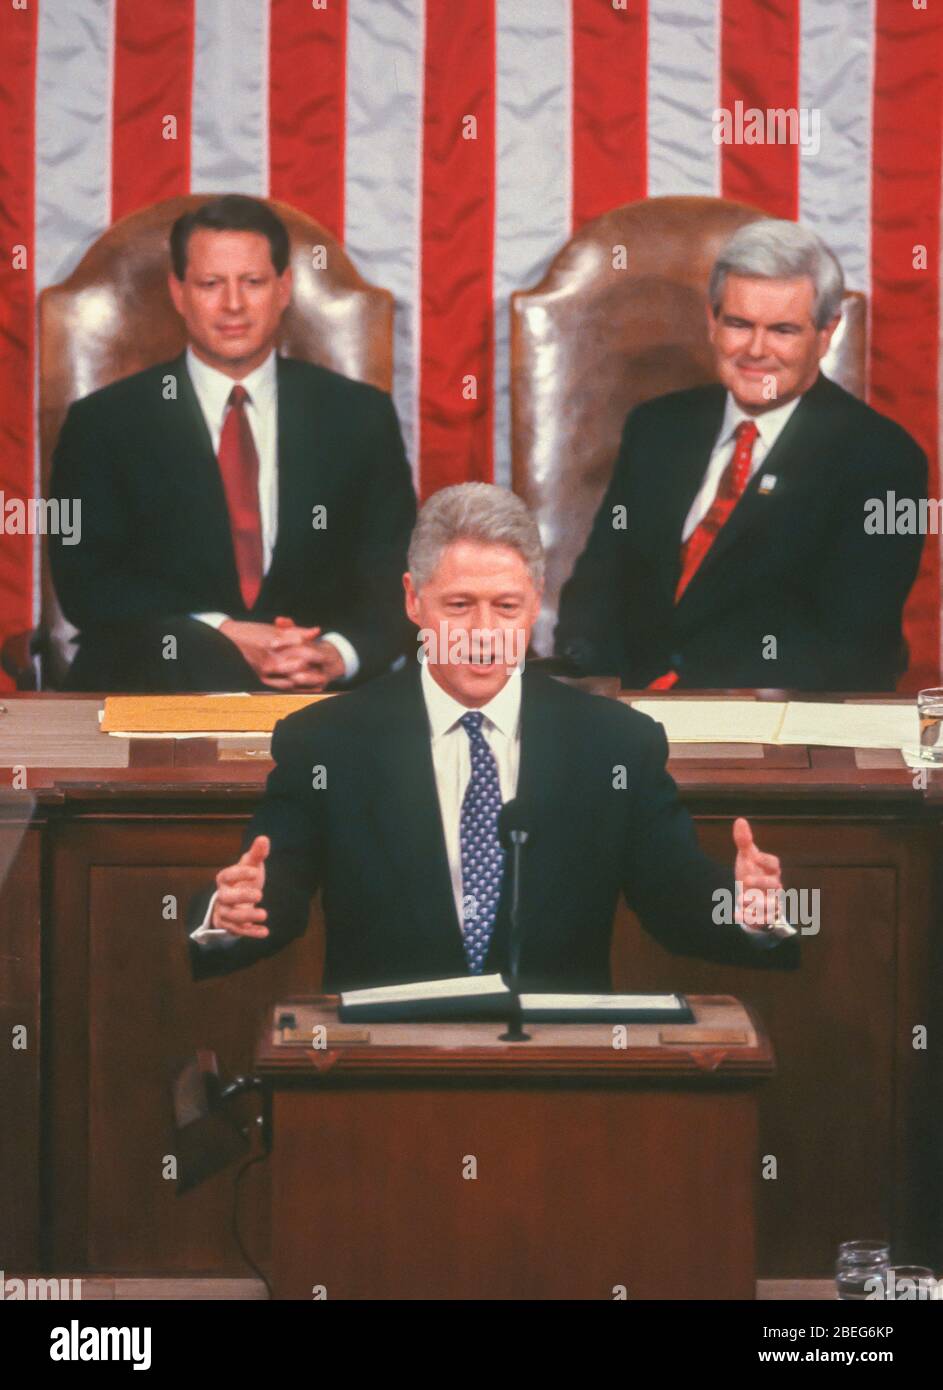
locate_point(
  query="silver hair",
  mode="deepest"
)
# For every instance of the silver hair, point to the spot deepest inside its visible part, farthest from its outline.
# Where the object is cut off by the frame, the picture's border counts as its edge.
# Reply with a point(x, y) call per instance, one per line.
point(474, 512)
point(772, 248)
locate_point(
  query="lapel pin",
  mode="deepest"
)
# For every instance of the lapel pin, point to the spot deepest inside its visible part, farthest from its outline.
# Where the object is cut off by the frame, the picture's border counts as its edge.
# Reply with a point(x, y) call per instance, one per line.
point(767, 483)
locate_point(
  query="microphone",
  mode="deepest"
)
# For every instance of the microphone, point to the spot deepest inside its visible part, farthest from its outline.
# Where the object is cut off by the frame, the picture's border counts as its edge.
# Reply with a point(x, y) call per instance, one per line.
point(512, 824)
point(514, 834)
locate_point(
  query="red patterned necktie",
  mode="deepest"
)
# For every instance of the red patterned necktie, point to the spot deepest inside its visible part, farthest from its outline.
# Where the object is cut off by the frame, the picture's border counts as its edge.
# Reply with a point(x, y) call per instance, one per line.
point(729, 491)
point(239, 466)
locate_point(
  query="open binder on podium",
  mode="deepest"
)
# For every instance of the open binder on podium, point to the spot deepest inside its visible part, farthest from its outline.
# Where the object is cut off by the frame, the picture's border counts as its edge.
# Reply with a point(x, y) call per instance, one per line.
point(480, 997)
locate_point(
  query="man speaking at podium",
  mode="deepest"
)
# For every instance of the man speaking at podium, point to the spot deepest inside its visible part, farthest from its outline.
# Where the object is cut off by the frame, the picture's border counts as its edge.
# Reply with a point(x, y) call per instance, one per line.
point(388, 799)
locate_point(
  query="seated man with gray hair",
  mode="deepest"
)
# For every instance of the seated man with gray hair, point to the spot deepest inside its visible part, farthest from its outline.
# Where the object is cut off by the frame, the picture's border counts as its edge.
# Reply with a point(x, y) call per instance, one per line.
point(731, 548)
point(387, 800)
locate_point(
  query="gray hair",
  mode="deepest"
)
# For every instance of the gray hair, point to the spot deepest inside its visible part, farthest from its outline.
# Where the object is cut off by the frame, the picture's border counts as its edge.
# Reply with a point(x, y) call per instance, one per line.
point(774, 249)
point(474, 512)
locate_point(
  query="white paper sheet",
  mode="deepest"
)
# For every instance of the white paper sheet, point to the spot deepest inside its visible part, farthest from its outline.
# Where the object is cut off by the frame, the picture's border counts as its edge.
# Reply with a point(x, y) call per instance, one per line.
point(471, 985)
point(851, 725)
point(716, 721)
point(586, 1003)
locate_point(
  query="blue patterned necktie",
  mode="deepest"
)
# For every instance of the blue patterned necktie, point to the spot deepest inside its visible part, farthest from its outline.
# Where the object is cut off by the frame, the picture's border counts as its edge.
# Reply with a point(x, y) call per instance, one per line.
point(482, 855)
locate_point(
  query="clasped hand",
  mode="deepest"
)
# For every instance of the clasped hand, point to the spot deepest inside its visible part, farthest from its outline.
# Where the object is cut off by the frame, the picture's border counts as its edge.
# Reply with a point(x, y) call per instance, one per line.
point(284, 656)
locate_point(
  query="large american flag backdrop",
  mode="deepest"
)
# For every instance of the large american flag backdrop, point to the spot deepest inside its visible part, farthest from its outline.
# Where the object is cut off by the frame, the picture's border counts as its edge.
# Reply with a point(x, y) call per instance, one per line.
point(357, 112)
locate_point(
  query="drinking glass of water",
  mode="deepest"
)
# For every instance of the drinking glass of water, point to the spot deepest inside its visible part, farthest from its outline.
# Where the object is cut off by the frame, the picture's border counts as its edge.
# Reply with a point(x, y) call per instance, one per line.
point(930, 715)
point(861, 1269)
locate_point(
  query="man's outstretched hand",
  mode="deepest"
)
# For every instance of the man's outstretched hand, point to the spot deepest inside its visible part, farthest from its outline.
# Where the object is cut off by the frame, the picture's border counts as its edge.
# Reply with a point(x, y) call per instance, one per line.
point(239, 891)
point(755, 874)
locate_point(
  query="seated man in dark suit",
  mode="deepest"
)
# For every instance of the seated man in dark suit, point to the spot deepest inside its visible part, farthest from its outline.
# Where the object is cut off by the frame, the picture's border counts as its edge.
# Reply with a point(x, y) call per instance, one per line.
point(387, 799)
point(734, 545)
point(245, 515)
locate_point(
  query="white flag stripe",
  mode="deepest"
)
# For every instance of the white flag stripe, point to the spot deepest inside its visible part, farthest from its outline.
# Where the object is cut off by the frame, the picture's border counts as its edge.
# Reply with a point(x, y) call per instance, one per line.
point(74, 84)
point(683, 90)
point(532, 182)
point(835, 80)
point(229, 149)
point(382, 193)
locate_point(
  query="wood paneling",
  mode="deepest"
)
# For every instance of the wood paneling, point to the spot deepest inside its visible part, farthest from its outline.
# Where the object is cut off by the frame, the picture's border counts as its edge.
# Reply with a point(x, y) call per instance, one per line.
point(128, 1016)
point(20, 1008)
point(578, 1190)
point(845, 1114)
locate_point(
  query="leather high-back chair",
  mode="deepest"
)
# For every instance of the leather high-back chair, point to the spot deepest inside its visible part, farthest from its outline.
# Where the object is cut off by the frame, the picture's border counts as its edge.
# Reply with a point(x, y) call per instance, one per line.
point(113, 316)
point(594, 339)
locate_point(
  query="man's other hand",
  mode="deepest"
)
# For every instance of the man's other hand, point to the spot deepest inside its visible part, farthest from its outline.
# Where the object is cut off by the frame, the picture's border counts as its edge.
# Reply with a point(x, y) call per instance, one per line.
point(756, 874)
point(239, 891)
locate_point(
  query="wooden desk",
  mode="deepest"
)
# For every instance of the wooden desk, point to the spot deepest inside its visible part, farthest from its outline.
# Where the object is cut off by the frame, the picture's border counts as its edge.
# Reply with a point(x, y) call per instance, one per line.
point(436, 1162)
point(92, 961)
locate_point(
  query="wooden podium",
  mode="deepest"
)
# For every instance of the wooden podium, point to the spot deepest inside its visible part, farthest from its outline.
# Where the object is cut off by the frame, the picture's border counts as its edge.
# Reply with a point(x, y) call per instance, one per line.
point(433, 1161)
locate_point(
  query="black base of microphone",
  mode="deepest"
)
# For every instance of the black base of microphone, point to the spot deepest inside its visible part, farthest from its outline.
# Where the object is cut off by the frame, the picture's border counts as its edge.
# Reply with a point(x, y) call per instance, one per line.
point(515, 1030)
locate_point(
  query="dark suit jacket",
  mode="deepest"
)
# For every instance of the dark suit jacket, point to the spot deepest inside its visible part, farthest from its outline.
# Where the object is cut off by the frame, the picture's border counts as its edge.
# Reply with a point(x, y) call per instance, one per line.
point(372, 840)
point(156, 538)
point(792, 563)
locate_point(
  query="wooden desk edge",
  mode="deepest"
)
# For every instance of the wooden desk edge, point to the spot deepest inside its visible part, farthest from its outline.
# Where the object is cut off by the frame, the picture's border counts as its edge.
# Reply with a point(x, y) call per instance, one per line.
point(706, 1062)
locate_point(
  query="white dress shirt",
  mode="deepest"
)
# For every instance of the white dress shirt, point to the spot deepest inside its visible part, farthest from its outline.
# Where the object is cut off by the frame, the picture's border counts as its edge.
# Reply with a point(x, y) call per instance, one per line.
point(770, 425)
point(213, 389)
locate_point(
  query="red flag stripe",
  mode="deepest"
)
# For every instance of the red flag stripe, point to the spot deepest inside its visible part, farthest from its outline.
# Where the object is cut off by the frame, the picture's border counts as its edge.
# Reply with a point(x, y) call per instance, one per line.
point(610, 106)
point(17, 347)
point(456, 353)
point(307, 108)
point(153, 82)
point(905, 298)
point(759, 61)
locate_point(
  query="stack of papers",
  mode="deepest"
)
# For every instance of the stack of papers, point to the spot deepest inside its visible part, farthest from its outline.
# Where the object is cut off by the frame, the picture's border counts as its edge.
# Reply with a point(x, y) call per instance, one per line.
point(716, 721)
point(198, 716)
point(851, 724)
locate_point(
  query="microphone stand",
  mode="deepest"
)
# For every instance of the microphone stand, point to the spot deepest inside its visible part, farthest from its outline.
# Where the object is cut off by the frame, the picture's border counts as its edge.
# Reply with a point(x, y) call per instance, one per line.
point(515, 1031)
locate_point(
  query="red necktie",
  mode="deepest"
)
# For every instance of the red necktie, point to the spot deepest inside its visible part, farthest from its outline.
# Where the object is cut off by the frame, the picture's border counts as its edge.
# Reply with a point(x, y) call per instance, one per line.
point(729, 491)
point(239, 466)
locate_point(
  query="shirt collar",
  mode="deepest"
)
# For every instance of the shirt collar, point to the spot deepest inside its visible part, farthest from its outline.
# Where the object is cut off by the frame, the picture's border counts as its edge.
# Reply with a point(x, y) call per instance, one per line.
point(213, 387)
point(444, 711)
point(770, 424)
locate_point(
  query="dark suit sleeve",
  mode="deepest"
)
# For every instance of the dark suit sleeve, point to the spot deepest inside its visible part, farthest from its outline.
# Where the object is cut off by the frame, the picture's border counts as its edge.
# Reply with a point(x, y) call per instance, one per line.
point(97, 580)
point(373, 617)
point(674, 886)
point(853, 641)
point(590, 626)
point(292, 814)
